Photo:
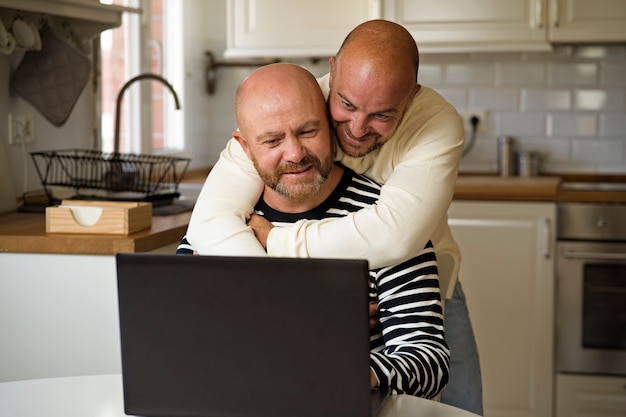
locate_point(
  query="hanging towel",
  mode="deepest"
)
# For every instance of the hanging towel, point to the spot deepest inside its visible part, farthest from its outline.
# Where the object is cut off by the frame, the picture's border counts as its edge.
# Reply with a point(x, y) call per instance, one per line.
point(53, 78)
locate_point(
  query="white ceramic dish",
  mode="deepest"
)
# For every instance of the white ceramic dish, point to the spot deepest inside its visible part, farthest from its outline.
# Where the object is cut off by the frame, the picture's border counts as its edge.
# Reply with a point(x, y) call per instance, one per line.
point(23, 33)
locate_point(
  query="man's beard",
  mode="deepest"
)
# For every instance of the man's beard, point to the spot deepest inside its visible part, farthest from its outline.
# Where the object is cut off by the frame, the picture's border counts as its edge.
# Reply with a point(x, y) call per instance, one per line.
point(351, 151)
point(299, 189)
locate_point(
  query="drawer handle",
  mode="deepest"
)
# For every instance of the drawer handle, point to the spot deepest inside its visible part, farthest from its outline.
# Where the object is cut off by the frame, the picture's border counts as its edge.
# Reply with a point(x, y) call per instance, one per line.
point(570, 254)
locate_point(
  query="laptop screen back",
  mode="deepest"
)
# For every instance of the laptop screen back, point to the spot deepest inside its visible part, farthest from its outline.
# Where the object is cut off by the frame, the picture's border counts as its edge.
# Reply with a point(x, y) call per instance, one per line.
point(242, 337)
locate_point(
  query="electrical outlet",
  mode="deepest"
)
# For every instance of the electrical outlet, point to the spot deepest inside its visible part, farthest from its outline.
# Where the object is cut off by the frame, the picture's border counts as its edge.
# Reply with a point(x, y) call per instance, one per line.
point(21, 129)
point(467, 114)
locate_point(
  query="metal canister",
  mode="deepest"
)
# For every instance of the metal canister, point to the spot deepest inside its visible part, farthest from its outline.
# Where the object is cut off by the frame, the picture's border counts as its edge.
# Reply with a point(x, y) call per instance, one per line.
point(506, 164)
point(529, 163)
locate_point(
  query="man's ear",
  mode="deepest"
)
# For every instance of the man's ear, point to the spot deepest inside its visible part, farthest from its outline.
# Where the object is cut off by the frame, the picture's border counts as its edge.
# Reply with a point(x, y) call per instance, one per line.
point(242, 142)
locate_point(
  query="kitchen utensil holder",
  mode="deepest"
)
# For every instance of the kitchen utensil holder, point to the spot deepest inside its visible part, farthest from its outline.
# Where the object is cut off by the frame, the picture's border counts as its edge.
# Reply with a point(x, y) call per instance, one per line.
point(130, 177)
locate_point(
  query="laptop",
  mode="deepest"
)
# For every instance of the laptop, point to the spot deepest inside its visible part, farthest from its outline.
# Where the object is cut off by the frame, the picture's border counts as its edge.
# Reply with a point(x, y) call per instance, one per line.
point(217, 336)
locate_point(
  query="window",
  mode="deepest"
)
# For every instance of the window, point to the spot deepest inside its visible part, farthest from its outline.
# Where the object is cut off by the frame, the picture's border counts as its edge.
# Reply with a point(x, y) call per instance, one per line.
point(150, 41)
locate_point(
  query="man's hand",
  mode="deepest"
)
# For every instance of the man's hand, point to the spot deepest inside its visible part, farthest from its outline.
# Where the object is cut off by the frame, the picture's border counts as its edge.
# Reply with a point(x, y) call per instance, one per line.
point(373, 379)
point(374, 321)
point(261, 228)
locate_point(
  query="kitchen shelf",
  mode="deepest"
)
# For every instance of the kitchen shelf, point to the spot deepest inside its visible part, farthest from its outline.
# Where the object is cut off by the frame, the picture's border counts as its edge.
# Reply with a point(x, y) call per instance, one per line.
point(90, 16)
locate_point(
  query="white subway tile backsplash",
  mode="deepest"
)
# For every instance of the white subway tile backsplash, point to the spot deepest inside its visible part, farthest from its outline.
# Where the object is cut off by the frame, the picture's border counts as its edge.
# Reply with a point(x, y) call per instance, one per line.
point(612, 169)
point(600, 151)
point(469, 73)
point(568, 73)
point(536, 99)
point(494, 98)
point(455, 96)
point(600, 100)
point(592, 51)
point(572, 125)
point(568, 104)
point(430, 74)
point(613, 125)
point(519, 124)
point(612, 73)
point(521, 74)
point(552, 151)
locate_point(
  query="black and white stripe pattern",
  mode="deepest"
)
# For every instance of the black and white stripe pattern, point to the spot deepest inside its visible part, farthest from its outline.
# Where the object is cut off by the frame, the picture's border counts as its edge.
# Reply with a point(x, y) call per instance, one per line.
point(409, 353)
point(408, 350)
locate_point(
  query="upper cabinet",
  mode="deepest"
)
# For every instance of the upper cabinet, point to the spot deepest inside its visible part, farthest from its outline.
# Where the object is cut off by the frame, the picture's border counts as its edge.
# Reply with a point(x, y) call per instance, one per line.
point(275, 28)
point(477, 25)
point(278, 28)
point(587, 21)
point(497, 25)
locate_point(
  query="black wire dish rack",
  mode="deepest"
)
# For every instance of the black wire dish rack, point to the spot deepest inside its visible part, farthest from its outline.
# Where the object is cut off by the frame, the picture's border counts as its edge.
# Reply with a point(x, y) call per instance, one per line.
point(111, 176)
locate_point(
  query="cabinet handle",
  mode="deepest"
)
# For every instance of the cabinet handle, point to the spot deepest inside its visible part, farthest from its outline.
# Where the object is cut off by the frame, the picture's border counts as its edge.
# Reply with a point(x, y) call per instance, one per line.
point(539, 13)
point(605, 256)
point(547, 239)
point(554, 12)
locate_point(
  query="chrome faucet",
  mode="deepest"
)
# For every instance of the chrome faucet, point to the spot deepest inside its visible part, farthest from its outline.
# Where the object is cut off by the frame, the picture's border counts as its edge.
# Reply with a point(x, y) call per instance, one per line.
point(120, 95)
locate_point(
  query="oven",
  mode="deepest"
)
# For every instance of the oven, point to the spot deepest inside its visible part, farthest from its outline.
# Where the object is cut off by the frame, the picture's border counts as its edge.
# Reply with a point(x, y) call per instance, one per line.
point(591, 289)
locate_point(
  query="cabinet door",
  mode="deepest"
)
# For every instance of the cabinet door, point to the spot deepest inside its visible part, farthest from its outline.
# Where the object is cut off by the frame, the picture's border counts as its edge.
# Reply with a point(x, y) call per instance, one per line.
point(587, 21)
point(487, 24)
point(278, 28)
point(585, 395)
point(507, 272)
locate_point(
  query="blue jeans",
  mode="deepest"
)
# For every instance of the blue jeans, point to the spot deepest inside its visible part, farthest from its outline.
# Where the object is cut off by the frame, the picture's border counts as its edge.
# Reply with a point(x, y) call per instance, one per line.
point(464, 389)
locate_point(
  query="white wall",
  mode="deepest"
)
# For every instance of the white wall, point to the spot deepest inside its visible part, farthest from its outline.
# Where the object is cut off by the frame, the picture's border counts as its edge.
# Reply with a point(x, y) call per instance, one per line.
point(570, 103)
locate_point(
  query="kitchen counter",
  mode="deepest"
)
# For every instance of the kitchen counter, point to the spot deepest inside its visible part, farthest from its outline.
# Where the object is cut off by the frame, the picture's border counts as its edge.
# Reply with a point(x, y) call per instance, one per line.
point(26, 233)
point(541, 188)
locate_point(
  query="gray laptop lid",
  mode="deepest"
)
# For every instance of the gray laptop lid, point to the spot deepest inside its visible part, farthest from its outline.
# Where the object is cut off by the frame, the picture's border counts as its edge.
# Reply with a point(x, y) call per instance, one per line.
point(243, 337)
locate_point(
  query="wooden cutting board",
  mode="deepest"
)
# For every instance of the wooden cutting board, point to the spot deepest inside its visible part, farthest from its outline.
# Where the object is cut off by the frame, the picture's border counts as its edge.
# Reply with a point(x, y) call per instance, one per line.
point(504, 188)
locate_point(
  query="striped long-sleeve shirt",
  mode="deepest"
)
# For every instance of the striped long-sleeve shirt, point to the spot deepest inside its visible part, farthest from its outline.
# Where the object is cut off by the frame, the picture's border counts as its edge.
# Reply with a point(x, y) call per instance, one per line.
point(408, 352)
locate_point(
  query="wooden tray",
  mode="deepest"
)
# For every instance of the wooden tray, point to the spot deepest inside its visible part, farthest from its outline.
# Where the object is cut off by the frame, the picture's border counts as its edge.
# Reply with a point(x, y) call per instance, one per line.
point(98, 217)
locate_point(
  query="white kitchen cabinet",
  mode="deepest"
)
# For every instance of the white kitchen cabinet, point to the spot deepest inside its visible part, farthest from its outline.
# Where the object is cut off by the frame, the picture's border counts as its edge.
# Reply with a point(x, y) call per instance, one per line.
point(507, 272)
point(58, 315)
point(277, 28)
point(585, 395)
point(497, 25)
point(478, 24)
point(587, 21)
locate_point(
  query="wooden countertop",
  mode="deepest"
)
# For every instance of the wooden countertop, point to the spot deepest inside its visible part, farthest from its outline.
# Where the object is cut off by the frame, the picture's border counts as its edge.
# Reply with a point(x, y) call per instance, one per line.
point(541, 188)
point(26, 233)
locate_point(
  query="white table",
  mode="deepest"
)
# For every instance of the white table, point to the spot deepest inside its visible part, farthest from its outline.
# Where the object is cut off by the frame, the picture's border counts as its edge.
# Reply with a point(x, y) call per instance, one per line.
point(101, 396)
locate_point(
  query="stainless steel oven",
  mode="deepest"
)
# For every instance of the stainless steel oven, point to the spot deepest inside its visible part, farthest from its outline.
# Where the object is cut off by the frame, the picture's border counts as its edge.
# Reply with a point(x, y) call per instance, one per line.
point(591, 288)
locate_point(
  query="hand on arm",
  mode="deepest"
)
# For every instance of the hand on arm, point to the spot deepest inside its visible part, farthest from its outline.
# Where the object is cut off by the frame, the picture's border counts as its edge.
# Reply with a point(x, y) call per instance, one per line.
point(260, 227)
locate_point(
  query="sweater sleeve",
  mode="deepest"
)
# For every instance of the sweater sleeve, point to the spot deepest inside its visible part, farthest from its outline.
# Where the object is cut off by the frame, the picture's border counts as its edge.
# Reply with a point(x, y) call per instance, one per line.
point(418, 168)
point(415, 358)
point(218, 221)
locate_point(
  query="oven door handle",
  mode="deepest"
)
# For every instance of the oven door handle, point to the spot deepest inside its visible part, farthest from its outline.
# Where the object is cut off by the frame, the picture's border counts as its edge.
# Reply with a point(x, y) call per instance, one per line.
point(571, 254)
